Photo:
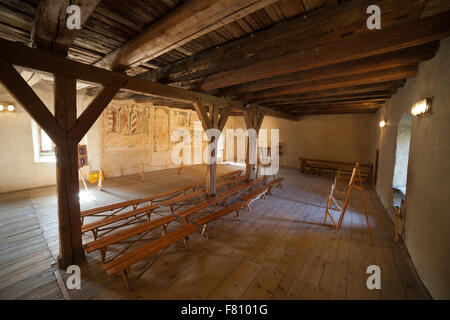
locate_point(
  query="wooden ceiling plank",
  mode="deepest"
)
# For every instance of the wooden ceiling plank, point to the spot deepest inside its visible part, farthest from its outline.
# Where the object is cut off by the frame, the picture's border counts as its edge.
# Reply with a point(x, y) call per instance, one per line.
point(349, 20)
point(380, 62)
point(378, 42)
point(188, 22)
point(49, 29)
point(340, 82)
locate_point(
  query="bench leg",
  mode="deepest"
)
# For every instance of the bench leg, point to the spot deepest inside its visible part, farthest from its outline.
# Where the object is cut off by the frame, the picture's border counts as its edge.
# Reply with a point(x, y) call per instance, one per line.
point(125, 278)
point(205, 231)
point(264, 196)
point(248, 208)
point(103, 254)
point(186, 220)
point(94, 234)
point(185, 240)
point(237, 216)
point(164, 230)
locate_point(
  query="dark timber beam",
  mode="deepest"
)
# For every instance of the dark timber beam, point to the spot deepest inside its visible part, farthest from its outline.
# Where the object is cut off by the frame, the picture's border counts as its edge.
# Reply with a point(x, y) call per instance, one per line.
point(390, 60)
point(293, 36)
point(339, 82)
point(189, 21)
point(390, 86)
point(20, 55)
point(65, 131)
point(49, 28)
point(366, 45)
point(69, 219)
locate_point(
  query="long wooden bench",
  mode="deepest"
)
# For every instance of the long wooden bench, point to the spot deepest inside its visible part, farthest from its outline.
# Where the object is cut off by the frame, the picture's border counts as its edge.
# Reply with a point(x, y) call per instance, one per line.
point(254, 195)
point(186, 213)
point(205, 220)
point(274, 183)
point(101, 211)
point(141, 229)
point(105, 224)
point(122, 264)
point(181, 199)
point(232, 174)
point(316, 166)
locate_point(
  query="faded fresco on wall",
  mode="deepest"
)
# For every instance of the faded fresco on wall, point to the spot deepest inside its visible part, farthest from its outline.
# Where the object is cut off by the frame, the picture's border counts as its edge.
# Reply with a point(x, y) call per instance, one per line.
point(127, 126)
point(161, 132)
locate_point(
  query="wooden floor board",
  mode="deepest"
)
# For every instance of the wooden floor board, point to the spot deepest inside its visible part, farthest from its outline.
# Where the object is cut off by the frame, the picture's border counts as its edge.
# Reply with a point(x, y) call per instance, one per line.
point(278, 251)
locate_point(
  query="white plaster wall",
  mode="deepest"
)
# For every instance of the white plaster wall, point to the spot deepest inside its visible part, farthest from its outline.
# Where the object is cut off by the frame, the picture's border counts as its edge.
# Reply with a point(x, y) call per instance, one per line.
point(344, 138)
point(18, 171)
point(427, 226)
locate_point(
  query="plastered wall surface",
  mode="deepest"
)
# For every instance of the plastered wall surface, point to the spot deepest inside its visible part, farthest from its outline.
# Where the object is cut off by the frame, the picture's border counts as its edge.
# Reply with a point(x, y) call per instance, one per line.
point(327, 137)
point(18, 170)
point(427, 219)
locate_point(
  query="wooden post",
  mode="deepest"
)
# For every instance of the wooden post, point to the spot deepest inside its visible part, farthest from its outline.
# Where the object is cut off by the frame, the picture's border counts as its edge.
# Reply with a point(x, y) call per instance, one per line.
point(211, 171)
point(253, 120)
point(71, 249)
point(211, 121)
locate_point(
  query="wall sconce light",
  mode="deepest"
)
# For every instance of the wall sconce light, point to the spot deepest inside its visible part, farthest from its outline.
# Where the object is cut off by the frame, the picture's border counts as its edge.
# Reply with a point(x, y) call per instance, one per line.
point(7, 107)
point(382, 123)
point(422, 107)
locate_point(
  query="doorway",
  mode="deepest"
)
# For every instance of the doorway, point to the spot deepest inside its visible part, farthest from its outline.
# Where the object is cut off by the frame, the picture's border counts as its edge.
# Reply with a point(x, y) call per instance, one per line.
point(401, 159)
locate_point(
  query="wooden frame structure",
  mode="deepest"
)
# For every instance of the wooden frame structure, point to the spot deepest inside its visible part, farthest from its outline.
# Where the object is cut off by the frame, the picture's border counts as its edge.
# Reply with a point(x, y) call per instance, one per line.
point(66, 130)
point(331, 200)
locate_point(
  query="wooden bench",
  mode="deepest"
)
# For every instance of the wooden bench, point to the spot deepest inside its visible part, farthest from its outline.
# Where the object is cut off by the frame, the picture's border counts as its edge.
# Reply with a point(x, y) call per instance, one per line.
point(186, 213)
point(123, 263)
point(254, 195)
point(274, 183)
point(232, 174)
point(105, 224)
point(205, 220)
point(183, 198)
point(316, 166)
point(141, 229)
point(102, 211)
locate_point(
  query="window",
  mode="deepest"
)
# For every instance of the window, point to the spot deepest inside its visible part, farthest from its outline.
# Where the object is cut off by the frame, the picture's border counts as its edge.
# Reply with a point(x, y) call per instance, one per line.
point(42, 145)
point(46, 144)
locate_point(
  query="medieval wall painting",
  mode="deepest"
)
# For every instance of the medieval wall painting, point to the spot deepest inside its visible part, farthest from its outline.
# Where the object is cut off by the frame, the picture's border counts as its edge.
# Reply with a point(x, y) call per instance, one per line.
point(161, 132)
point(127, 126)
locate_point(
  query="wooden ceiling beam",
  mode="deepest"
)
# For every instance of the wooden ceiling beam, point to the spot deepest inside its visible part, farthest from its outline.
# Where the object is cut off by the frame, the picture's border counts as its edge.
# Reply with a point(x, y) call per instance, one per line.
point(49, 30)
point(376, 63)
point(189, 21)
point(339, 82)
point(283, 105)
point(295, 35)
point(390, 86)
point(28, 58)
point(366, 45)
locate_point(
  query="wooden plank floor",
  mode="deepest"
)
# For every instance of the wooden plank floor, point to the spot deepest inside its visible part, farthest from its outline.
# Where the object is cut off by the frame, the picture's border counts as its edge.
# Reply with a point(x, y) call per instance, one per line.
point(279, 251)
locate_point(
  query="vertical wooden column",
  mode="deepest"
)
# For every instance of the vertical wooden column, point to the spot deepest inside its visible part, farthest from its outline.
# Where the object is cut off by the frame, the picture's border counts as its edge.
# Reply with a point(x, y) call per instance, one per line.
point(71, 250)
point(253, 120)
point(211, 171)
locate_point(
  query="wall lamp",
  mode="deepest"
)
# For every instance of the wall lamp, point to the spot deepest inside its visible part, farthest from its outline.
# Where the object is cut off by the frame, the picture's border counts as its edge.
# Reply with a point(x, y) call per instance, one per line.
point(422, 107)
point(7, 107)
point(382, 123)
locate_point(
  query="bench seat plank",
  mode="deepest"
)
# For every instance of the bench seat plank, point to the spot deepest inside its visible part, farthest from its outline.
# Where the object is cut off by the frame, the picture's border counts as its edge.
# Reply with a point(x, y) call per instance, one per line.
point(124, 262)
point(116, 218)
point(125, 234)
point(185, 197)
point(110, 207)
